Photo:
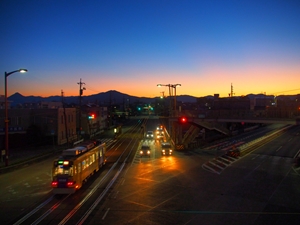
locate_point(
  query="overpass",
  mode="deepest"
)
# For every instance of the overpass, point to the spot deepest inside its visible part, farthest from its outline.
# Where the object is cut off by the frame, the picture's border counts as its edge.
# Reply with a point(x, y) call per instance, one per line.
point(181, 141)
point(217, 124)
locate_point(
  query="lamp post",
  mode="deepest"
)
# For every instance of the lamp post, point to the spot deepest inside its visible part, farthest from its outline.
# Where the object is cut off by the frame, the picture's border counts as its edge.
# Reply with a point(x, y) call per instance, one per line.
point(6, 110)
point(171, 87)
point(173, 112)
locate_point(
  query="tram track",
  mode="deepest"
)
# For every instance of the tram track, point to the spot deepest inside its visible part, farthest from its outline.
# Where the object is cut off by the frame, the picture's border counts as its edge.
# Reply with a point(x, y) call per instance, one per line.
point(77, 208)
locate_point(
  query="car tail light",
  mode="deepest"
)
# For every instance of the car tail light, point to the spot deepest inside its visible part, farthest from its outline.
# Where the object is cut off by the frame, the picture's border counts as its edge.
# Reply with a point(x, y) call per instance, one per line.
point(70, 183)
point(54, 183)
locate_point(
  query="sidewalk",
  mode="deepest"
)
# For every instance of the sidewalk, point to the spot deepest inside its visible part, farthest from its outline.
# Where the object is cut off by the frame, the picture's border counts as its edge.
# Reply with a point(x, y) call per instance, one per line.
point(23, 157)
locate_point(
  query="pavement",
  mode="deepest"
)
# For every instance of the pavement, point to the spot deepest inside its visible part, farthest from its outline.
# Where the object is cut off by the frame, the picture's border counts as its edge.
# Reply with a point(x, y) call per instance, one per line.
point(23, 157)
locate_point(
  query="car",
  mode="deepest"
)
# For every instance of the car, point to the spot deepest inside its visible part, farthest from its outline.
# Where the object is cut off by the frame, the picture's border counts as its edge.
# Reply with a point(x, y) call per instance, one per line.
point(166, 148)
point(145, 150)
point(149, 135)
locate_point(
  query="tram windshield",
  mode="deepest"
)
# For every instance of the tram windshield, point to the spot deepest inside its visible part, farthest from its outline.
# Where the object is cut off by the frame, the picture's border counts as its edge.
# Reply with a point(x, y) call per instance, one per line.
point(63, 170)
point(62, 167)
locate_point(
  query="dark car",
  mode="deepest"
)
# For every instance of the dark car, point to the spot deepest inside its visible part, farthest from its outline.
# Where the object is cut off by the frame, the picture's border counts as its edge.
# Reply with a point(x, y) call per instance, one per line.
point(145, 150)
point(166, 148)
point(149, 135)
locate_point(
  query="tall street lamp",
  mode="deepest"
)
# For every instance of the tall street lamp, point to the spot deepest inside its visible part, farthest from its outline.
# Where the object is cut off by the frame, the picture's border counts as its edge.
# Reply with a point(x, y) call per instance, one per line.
point(6, 110)
point(171, 87)
point(173, 111)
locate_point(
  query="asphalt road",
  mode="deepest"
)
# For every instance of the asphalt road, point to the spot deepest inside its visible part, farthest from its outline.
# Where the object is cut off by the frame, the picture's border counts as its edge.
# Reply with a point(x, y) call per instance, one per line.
point(260, 188)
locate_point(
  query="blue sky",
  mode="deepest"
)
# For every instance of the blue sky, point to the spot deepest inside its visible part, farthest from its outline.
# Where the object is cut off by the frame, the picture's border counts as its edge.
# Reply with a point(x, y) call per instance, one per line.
point(131, 46)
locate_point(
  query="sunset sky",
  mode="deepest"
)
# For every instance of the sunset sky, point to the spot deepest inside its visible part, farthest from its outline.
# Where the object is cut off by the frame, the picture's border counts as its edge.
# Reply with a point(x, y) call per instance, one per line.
point(131, 46)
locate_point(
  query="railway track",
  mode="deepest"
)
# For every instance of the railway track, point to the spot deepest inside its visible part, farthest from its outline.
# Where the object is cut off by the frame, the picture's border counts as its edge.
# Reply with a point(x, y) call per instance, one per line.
point(79, 207)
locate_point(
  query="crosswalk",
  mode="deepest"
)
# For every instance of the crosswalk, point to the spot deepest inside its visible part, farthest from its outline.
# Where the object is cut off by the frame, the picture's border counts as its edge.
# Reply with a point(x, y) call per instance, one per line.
point(217, 165)
point(107, 141)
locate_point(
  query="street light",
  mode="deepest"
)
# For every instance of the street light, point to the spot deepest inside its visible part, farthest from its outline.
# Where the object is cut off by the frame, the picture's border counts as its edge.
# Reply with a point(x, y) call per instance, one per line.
point(171, 87)
point(173, 112)
point(6, 110)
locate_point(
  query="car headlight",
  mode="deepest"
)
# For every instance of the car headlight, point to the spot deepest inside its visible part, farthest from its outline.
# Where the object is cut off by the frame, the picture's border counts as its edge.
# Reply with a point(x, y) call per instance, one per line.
point(163, 150)
point(148, 152)
point(141, 152)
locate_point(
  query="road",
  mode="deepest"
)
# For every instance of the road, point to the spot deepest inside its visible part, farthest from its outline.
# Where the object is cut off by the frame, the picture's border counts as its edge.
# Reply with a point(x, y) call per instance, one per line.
point(259, 188)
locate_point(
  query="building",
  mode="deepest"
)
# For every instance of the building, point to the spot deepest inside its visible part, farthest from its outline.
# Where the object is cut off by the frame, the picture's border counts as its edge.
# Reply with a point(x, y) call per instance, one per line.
point(55, 126)
point(94, 120)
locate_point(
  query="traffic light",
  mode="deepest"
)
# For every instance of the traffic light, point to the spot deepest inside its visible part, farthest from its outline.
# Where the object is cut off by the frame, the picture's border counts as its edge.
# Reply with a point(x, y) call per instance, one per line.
point(182, 120)
point(91, 116)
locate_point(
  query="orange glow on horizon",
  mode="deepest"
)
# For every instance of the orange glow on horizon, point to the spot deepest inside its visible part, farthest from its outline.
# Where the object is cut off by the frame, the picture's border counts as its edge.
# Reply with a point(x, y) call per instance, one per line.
point(274, 80)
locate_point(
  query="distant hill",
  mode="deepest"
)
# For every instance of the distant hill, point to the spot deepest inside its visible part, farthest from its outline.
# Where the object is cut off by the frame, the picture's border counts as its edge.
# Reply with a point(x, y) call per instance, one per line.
point(103, 98)
point(115, 97)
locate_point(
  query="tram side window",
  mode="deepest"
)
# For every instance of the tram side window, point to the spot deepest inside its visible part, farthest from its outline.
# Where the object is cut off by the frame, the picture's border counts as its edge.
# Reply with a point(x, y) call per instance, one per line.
point(93, 156)
point(83, 164)
point(101, 153)
point(79, 167)
point(71, 171)
point(75, 170)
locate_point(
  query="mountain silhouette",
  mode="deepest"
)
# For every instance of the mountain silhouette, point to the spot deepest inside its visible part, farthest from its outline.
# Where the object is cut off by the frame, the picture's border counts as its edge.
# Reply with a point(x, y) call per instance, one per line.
point(103, 98)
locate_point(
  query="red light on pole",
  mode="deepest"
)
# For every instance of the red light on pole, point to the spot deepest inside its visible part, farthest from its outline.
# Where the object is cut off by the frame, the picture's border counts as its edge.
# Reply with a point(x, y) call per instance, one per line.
point(183, 119)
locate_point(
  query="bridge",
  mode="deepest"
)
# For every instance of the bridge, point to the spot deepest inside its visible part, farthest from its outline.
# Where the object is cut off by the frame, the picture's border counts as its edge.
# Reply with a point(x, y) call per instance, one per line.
point(226, 126)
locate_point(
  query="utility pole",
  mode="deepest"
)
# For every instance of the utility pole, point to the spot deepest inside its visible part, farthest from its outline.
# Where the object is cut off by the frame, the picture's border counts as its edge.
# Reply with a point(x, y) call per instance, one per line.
point(80, 99)
point(231, 91)
point(162, 106)
point(65, 117)
point(163, 94)
point(110, 110)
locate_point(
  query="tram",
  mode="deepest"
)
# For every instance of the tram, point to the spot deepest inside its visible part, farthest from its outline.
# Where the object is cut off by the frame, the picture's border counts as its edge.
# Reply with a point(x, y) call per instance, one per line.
point(75, 165)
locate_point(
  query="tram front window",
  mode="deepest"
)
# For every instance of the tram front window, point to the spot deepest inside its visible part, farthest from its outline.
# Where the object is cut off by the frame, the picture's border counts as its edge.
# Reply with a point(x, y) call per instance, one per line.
point(61, 170)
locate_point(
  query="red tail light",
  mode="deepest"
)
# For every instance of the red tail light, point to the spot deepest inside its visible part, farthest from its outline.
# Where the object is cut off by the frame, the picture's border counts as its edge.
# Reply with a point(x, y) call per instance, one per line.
point(70, 183)
point(54, 183)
